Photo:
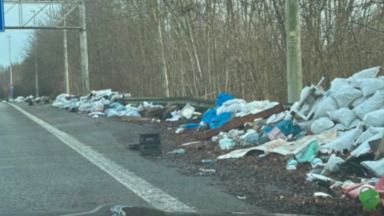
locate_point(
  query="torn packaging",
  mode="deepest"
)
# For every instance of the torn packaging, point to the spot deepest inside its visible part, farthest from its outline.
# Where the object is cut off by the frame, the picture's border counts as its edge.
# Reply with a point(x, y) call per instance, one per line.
point(284, 147)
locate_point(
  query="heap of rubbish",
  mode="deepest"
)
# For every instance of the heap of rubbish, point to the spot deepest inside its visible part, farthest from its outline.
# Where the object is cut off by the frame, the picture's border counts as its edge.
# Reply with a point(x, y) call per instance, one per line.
point(31, 100)
point(339, 130)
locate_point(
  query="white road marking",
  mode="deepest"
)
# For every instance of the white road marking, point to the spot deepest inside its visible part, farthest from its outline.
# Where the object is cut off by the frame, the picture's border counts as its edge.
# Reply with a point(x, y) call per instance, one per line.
point(153, 195)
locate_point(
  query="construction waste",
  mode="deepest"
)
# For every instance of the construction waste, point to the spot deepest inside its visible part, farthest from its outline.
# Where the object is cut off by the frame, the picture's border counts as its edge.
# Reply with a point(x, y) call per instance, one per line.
point(339, 130)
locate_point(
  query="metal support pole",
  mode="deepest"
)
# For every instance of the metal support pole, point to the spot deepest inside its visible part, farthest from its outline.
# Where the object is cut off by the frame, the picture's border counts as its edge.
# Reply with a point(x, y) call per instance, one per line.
point(36, 71)
point(66, 75)
point(10, 66)
point(294, 74)
point(20, 14)
point(84, 50)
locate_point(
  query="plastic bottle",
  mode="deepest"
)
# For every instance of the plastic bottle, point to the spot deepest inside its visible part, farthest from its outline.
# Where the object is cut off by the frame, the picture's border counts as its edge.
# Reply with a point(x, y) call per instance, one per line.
point(207, 161)
point(226, 143)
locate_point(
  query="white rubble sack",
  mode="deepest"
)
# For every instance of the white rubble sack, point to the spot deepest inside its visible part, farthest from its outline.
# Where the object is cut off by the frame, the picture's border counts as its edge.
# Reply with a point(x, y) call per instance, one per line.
point(370, 85)
point(355, 123)
point(374, 118)
point(346, 95)
point(366, 73)
point(372, 104)
point(343, 115)
point(365, 147)
point(321, 125)
point(305, 125)
point(376, 167)
point(361, 149)
point(344, 141)
point(370, 132)
point(357, 102)
point(325, 105)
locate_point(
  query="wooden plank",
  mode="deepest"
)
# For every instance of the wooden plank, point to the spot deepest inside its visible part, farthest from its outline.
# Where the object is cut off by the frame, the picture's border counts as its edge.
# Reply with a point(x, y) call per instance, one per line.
point(237, 122)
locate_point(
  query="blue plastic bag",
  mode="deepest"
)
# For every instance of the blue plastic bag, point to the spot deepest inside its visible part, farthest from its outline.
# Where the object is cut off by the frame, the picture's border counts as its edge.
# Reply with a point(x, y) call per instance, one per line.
point(208, 116)
point(287, 128)
point(221, 98)
point(220, 120)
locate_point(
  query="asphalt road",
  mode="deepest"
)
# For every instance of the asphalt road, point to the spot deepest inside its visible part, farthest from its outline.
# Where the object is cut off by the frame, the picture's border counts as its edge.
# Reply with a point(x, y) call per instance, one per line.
point(41, 173)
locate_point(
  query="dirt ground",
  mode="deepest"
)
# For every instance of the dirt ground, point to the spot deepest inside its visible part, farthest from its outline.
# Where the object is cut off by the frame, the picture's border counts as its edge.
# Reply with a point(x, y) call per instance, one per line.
point(260, 181)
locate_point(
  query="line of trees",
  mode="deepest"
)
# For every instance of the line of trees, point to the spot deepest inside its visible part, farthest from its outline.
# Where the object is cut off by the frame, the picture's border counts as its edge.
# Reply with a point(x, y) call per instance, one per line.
point(201, 47)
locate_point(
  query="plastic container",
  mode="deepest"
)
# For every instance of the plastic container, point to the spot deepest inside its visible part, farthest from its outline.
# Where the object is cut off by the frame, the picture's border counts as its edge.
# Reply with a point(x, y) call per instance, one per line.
point(369, 197)
point(292, 165)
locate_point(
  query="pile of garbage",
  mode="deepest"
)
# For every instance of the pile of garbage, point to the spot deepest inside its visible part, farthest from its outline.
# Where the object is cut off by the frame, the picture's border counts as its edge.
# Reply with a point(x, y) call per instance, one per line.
point(31, 100)
point(111, 104)
point(225, 110)
point(336, 131)
point(96, 103)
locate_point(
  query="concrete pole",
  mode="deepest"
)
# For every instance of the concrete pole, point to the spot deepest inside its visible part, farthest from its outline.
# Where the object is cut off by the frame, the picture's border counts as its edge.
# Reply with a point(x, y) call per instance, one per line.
point(294, 74)
point(84, 50)
point(36, 72)
point(10, 65)
point(66, 59)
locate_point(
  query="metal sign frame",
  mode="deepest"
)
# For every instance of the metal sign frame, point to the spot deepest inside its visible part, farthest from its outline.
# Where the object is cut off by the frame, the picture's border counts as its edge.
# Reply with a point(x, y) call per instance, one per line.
point(2, 23)
point(71, 5)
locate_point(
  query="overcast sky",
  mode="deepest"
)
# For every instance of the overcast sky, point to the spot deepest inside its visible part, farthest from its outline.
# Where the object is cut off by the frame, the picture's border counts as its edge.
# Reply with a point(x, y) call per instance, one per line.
point(18, 37)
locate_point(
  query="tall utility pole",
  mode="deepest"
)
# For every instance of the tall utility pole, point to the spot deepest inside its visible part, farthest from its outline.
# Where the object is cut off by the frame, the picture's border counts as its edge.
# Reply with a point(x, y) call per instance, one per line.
point(294, 74)
point(36, 72)
point(84, 50)
point(10, 66)
point(66, 75)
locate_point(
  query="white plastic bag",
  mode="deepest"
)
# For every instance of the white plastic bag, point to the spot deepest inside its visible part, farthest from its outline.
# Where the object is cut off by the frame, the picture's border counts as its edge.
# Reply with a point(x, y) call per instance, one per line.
point(112, 113)
point(373, 103)
point(255, 105)
point(325, 105)
point(374, 118)
point(133, 113)
point(233, 108)
point(234, 105)
point(370, 85)
point(97, 107)
point(321, 125)
point(343, 115)
point(333, 162)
